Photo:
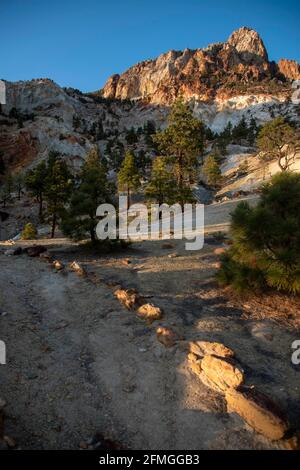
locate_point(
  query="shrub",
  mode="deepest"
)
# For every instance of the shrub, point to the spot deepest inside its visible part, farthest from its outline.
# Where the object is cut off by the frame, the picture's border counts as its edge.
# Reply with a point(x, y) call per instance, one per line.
point(29, 232)
point(266, 240)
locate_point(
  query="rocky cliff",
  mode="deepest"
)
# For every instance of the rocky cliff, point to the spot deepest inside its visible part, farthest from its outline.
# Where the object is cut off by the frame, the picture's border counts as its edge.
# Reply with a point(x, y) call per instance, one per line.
point(223, 82)
point(236, 66)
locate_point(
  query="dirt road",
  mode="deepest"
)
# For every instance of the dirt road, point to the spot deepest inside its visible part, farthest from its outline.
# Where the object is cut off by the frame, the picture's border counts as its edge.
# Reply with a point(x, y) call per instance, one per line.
point(79, 363)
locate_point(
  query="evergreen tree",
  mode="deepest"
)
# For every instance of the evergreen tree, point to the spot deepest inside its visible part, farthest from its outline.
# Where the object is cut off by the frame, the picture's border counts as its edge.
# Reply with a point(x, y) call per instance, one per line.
point(266, 239)
point(183, 142)
point(240, 132)
point(162, 185)
point(142, 161)
point(93, 189)
point(131, 137)
point(278, 140)
point(128, 176)
point(212, 171)
point(58, 187)
point(19, 182)
point(35, 181)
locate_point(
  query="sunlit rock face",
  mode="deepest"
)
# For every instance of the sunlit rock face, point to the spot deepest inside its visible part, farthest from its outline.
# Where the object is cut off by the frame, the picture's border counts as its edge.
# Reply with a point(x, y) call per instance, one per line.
point(221, 69)
point(289, 69)
point(223, 82)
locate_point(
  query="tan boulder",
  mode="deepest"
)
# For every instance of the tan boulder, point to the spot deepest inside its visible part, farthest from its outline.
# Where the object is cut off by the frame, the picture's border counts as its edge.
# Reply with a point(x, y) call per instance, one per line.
point(77, 268)
point(202, 348)
point(259, 411)
point(129, 298)
point(167, 337)
point(220, 251)
point(149, 312)
point(221, 373)
point(58, 265)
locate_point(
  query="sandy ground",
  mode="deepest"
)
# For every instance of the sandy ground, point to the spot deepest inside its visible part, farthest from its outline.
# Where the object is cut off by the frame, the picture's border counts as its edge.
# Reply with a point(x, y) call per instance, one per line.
point(79, 363)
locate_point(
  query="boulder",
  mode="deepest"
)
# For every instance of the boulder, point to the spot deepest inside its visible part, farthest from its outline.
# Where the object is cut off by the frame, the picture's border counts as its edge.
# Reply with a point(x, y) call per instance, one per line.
point(58, 265)
point(219, 251)
point(202, 348)
point(149, 312)
point(129, 298)
point(77, 268)
point(220, 373)
point(258, 410)
point(167, 336)
point(34, 251)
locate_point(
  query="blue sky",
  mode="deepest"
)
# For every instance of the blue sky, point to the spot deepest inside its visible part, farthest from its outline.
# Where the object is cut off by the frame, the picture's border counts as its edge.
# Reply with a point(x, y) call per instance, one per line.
point(80, 43)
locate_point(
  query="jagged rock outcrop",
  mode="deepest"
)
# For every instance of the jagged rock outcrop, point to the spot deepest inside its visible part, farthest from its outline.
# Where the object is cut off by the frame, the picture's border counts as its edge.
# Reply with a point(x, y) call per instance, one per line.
point(289, 69)
point(217, 71)
point(223, 82)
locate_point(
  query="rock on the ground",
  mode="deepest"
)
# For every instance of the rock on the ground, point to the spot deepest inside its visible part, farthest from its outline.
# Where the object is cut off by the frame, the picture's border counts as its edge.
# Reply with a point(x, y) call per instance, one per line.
point(167, 336)
point(149, 312)
point(58, 265)
point(220, 373)
point(77, 268)
point(259, 411)
point(220, 251)
point(129, 298)
point(201, 348)
point(34, 251)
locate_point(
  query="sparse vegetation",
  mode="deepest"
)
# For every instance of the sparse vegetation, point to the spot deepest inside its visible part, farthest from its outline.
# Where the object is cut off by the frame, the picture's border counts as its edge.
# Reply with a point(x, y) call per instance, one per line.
point(29, 232)
point(266, 240)
point(278, 140)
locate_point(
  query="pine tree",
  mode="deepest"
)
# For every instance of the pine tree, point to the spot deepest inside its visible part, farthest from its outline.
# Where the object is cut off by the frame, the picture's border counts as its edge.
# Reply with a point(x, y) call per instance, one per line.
point(183, 142)
point(128, 176)
point(266, 239)
point(212, 171)
point(35, 181)
point(162, 185)
point(278, 140)
point(93, 189)
point(19, 181)
point(58, 188)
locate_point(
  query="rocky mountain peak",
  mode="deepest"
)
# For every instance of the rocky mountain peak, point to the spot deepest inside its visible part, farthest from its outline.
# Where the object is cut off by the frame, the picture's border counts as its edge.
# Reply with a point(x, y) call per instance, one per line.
point(248, 42)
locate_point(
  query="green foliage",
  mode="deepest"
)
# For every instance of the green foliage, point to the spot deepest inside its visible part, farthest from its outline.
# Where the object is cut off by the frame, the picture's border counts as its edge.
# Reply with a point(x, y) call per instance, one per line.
point(58, 188)
point(142, 161)
point(29, 232)
point(131, 137)
point(128, 176)
point(278, 140)
point(35, 181)
point(182, 141)
point(162, 185)
point(92, 190)
point(266, 239)
point(212, 171)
